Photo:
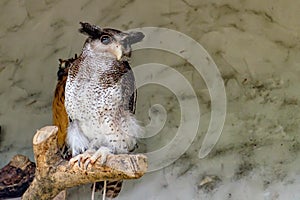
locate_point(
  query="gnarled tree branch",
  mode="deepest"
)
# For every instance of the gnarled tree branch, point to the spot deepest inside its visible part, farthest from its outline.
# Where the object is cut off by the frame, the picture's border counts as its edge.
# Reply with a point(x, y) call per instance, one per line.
point(53, 174)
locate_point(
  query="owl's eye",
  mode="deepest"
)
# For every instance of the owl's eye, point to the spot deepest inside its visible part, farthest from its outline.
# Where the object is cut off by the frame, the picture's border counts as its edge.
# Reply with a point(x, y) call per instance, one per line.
point(105, 39)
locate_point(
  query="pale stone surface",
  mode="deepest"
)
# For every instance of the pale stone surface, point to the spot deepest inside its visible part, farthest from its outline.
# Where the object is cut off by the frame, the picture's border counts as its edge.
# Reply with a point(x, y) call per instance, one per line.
point(255, 45)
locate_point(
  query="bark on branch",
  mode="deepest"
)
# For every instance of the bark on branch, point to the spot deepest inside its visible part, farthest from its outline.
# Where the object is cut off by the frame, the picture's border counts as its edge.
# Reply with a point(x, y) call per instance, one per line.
point(53, 174)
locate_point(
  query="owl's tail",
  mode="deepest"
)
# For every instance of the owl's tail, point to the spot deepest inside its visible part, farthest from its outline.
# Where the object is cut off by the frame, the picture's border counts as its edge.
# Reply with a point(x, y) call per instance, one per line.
point(113, 188)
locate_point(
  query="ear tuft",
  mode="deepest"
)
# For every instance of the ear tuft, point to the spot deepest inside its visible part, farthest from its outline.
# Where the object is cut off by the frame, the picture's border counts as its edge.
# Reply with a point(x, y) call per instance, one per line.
point(92, 31)
point(134, 37)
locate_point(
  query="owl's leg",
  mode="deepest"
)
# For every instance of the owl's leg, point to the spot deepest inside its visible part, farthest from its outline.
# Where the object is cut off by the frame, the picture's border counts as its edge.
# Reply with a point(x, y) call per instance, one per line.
point(76, 140)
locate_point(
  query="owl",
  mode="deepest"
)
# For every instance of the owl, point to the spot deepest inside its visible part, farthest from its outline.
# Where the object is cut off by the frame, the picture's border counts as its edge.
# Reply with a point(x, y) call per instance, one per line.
point(60, 119)
point(100, 97)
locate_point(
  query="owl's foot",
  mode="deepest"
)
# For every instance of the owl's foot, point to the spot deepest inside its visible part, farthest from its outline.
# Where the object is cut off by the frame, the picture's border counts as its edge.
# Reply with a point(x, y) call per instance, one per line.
point(90, 157)
point(101, 153)
point(81, 158)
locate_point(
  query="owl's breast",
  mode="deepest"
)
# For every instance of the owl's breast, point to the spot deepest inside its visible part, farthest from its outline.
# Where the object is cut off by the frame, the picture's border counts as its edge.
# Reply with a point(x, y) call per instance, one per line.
point(84, 99)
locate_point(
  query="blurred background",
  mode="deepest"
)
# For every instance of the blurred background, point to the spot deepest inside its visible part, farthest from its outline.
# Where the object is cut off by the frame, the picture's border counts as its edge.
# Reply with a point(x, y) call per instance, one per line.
point(255, 45)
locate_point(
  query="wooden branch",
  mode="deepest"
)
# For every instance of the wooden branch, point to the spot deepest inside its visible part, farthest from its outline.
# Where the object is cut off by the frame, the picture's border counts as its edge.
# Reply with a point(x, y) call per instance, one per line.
point(53, 174)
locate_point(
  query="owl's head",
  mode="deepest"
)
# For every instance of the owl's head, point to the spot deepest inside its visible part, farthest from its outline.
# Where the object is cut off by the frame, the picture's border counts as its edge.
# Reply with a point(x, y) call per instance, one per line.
point(109, 42)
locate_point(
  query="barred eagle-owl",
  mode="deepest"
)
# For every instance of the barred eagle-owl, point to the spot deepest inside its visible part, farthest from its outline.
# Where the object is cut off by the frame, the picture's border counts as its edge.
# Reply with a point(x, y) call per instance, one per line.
point(97, 92)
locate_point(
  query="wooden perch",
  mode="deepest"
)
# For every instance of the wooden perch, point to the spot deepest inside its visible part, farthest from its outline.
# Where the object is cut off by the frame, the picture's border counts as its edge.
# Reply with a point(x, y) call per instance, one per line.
point(54, 174)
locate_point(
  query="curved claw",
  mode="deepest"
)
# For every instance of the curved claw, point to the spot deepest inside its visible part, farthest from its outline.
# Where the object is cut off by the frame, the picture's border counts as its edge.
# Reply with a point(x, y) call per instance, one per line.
point(78, 160)
point(73, 160)
point(86, 163)
point(81, 160)
point(90, 157)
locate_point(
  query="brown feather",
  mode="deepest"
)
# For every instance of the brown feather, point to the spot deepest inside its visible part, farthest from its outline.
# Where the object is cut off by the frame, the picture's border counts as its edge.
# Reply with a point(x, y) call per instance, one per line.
point(59, 113)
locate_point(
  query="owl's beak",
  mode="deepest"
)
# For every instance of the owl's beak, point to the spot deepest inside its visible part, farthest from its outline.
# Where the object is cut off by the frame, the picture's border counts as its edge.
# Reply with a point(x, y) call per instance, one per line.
point(119, 56)
point(118, 52)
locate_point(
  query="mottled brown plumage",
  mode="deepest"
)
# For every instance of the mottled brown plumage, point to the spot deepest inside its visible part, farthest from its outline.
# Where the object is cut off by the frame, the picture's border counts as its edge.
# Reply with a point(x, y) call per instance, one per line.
point(100, 95)
point(101, 98)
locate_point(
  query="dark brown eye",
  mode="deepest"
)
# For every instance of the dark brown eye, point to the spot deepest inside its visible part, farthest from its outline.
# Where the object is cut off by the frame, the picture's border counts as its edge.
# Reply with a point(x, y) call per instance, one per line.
point(105, 39)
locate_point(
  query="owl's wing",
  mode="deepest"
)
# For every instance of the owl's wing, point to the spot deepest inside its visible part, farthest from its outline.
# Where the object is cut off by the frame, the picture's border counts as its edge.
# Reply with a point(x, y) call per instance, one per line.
point(129, 89)
point(59, 113)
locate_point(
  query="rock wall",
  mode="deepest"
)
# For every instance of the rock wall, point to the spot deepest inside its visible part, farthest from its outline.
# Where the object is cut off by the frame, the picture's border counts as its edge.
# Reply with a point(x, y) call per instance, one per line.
point(255, 45)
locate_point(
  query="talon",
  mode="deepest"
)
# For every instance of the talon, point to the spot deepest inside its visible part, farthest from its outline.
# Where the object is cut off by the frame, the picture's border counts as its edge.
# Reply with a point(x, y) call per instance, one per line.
point(89, 161)
point(78, 162)
point(77, 159)
point(86, 164)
